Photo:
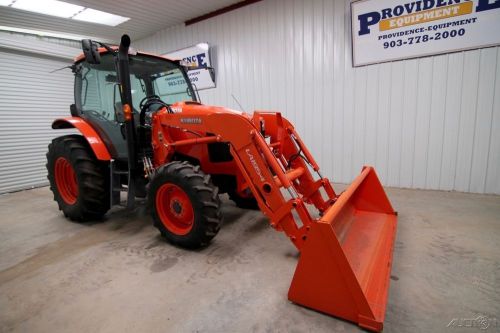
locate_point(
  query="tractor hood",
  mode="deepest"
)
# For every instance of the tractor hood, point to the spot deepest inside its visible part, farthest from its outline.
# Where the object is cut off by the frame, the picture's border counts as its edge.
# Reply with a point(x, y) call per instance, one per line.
point(191, 107)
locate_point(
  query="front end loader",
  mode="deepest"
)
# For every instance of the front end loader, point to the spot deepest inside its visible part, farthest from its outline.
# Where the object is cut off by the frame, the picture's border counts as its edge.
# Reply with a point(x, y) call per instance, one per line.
point(181, 155)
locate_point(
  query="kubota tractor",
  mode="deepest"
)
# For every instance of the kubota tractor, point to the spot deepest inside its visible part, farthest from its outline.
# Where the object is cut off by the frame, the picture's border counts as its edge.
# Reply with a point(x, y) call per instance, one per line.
point(143, 131)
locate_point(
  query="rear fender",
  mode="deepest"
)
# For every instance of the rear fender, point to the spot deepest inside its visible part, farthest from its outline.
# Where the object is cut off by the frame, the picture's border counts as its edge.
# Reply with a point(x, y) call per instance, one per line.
point(95, 142)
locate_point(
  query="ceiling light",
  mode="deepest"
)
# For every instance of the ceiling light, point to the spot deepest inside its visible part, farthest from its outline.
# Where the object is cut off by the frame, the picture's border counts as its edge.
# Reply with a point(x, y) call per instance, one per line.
point(66, 10)
point(48, 7)
point(96, 16)
point(55, 34)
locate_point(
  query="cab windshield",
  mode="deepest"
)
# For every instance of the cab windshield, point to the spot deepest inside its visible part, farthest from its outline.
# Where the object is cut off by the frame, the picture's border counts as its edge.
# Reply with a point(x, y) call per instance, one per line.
point(97, 88)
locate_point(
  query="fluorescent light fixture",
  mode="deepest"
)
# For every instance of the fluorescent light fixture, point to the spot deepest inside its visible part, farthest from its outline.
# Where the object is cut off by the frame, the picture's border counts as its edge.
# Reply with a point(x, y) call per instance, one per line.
point(66, 10)
point(56, 34)
point(48, 7)
point(96, 16)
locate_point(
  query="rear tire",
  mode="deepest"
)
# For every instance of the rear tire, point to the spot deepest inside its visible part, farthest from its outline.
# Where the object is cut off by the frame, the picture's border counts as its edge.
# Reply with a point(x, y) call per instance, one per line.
point(77, 179)
point(185, 205)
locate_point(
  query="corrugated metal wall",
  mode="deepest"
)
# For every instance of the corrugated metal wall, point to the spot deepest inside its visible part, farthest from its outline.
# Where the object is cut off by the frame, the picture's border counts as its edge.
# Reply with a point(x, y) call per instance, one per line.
point(429, 123)
point(30, 99)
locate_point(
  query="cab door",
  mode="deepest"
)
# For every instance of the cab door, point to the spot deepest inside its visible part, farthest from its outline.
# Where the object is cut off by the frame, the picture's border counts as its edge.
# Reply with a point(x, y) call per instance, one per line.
point(97, 97)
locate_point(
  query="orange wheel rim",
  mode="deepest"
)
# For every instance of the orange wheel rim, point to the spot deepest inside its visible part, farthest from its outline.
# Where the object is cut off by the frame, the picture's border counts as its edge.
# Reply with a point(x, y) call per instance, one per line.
point(66, 183)
point(174, 209)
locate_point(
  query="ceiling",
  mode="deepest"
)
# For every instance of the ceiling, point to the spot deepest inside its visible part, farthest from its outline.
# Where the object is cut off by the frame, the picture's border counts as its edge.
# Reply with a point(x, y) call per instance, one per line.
point(146, 17)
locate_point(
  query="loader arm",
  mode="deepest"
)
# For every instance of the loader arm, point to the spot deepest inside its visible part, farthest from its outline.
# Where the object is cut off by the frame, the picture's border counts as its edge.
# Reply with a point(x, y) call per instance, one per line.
point(346, 241)
point(279, 179)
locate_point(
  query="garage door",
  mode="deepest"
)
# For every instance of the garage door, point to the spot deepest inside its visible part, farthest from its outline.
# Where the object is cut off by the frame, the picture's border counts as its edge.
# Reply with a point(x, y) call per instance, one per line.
point(30, 98)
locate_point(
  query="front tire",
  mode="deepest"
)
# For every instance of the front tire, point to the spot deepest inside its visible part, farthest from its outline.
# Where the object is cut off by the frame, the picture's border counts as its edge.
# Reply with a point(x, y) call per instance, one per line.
point(77, 179)
point(185, 205)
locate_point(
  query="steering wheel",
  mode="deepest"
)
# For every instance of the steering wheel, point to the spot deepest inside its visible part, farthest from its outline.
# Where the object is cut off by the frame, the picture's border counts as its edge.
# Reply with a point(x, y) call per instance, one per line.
point(148, 101)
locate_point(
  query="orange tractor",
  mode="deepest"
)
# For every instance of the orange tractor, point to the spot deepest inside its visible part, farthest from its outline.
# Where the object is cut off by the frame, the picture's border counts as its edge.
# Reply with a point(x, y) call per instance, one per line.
point(144, 132)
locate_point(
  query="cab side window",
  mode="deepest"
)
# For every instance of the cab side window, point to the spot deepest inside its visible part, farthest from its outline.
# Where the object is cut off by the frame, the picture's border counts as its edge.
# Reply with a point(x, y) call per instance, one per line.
point(99, 93)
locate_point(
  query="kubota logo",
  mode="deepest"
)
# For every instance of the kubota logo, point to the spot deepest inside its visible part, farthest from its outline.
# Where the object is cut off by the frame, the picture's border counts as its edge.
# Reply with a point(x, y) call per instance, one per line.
point(255, 165)
point(195, 121)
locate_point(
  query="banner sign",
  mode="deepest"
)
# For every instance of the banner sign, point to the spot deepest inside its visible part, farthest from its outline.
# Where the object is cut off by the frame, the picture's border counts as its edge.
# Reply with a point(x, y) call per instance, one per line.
point(197, 56)
point(386, 30)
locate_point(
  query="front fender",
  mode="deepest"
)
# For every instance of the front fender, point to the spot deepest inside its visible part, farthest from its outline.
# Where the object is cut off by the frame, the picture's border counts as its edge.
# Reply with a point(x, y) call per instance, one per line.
point(94, 140)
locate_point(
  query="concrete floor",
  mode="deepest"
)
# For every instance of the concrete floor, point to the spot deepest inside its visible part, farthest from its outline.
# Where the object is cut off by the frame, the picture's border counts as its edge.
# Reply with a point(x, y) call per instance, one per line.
point(118, 275)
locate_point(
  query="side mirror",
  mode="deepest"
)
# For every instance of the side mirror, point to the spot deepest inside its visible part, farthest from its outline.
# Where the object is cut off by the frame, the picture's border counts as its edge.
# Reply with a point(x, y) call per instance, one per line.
point(90, 50)
point(119, 116)
point(73, 110)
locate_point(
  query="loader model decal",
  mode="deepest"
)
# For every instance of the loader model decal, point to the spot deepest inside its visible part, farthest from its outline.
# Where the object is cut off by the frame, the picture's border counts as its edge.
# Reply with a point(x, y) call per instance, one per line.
point(255, 165)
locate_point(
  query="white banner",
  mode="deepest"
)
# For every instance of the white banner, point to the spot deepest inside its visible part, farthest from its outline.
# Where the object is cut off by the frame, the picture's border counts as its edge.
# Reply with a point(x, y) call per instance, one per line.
point(197, 56)
point(386, 30)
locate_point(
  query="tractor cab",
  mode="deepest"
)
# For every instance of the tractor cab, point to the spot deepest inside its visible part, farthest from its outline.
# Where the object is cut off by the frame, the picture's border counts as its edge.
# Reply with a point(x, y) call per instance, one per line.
point(155, 82)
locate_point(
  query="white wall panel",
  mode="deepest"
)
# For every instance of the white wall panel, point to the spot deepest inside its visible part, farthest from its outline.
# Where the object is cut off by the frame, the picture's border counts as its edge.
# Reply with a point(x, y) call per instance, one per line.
point(430, 123)
point(493, 174)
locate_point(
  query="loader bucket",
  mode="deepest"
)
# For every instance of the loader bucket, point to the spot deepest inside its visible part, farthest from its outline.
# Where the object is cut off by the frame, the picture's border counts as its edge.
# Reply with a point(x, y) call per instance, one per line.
point(345, 263)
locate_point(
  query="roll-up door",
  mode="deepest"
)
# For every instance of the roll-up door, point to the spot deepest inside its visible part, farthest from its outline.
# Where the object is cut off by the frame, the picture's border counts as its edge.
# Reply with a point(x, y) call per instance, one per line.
point(30, 99)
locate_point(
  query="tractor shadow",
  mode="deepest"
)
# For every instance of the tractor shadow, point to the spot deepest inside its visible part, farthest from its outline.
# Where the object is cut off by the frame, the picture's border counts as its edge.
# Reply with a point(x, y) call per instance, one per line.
point(132, 231)
point(132, 221)
point(122, 220)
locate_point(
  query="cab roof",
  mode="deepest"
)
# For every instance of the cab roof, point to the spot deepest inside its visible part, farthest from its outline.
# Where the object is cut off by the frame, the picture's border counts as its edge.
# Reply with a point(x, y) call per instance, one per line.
point(102, 51)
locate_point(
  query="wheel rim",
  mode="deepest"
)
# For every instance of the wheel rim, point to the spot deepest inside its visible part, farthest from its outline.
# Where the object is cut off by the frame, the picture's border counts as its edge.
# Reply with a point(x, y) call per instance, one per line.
point(174, 209)
point(67, 185)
